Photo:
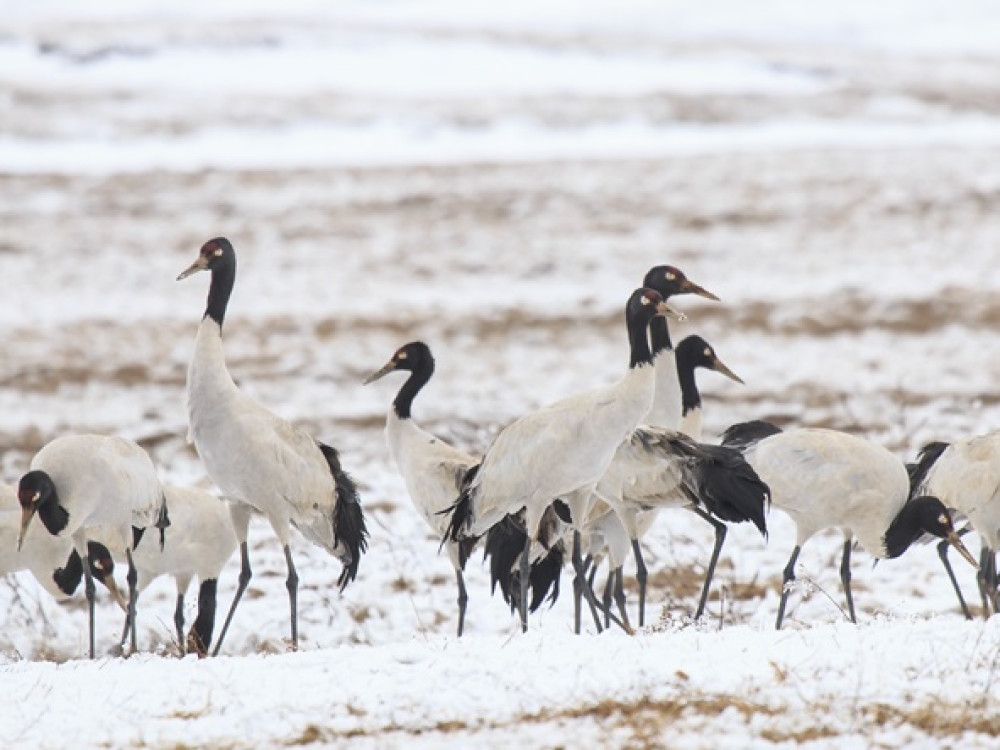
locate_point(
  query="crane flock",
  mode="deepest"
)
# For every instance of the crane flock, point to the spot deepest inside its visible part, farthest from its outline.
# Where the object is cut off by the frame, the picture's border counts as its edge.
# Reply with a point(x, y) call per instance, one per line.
point(584, 477)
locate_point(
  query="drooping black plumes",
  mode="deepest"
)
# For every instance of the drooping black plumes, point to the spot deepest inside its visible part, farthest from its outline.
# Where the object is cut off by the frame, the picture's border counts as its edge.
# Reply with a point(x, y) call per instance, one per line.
point(200, 636)
point(927, 457)
point(349, 526)
point(504, 545)
point(745, 434)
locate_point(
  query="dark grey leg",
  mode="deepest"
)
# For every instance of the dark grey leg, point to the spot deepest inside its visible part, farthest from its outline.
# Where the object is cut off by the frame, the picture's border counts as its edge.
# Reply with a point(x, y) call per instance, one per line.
point(91, 593)
point(581, 579)
point(525, 572)
point(608, 593)
point(720, 539)
point(640, 576)
point(619, 594)
point(787, 577)
point(845, 578)
point(179, 620)
point(292, 584)
point(463, 600)
point(133, 577)
point(245, 575)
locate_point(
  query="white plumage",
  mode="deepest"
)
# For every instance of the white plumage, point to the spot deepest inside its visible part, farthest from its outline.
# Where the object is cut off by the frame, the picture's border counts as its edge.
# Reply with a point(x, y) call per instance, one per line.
point(827, 479)
point(259, 460)
point(562, 450)
point(966, 477)
point(432, 470)
point(80, 484)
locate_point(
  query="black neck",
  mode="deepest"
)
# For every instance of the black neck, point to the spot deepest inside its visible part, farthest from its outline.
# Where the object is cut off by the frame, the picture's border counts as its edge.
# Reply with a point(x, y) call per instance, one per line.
point(660, 333)
point(638, 343)
point(904, 530)
point(417, 380)
point(53, 516)
point(223, 278)
point(690, 397)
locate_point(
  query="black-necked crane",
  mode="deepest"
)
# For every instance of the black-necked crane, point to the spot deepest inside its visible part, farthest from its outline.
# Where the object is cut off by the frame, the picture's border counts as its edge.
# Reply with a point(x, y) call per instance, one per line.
point(198, 544)
point(80, 484)
point(693, 353)
point(52, 560)
point(561, 451)
point(432, 470)
point(260, 461)
point(828, 479)
point(965, 475)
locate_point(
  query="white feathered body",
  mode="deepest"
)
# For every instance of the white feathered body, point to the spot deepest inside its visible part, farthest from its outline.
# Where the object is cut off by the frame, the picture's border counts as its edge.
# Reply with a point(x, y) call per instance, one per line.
point(102, 481)
point(966, 477)
point(432, 470)
point(829, 479)
point(558, 450)
point(252, 455)
point(41, 554)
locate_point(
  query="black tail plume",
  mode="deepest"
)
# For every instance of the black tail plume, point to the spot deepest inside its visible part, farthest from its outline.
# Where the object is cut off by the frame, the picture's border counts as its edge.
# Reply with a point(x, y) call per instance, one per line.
point(928, 456)
point(545, 575)
point(504, 545)
point(744, 434)
point(349, 527)
point(162, 520)
point(725, 485)
point(460, 510)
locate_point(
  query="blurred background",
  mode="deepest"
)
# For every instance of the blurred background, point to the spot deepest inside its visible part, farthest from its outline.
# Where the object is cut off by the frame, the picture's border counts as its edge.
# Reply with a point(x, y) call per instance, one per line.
point(495, 179)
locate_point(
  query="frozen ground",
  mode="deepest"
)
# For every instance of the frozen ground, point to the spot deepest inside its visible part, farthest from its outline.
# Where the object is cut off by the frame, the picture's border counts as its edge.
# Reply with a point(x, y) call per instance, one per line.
point(496, 183)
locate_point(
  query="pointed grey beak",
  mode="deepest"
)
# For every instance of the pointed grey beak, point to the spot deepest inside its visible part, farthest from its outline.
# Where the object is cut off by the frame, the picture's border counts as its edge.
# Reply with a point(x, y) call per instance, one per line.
point(719, 367)
point(199, 265)
point(662, 308)
point(386, 369)
point(690, 287)
point(956, 542)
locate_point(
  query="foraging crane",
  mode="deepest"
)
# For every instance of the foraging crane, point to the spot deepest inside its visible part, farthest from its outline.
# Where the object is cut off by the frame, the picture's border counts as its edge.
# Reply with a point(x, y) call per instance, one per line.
point(561, 451)
point(260, 461)
point(199, 543)
point(827, 479)
point(79, 484)
point(50, 559)
point(966, 477)
point(432, 470)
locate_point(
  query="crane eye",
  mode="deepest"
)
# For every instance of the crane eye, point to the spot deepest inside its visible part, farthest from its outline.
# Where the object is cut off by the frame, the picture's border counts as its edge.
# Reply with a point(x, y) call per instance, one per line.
point(218, 252)
point(401, 355)
point(671, 276)
point(943, 519)
point(708, 352)
point(644, 299)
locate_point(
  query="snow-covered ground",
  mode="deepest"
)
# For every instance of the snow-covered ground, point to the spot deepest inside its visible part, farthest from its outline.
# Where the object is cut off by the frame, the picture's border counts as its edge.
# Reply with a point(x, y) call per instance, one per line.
point(495, 179)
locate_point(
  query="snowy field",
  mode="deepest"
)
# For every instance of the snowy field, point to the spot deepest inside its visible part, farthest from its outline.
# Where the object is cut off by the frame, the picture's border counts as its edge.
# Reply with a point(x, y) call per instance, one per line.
point(495, 179)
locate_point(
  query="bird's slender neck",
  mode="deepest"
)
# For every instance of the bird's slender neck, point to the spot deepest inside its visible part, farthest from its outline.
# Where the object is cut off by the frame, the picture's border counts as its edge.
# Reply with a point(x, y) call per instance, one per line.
point(223, 278)
point(638, 344)
point(659, 332)
point(690, 397)
point(904, 530)
point(417, 380)
point(52, 514)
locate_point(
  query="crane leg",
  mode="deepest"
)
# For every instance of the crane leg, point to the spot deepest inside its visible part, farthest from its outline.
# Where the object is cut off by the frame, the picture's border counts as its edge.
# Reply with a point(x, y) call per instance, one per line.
point(942, 550)
point(132, 578)
point(91, 593)
point(845, 578)
point(606, 600)
point(591, 565)
point(525, 573)
point(292, 584)
point(982, 578)
point(179, 620)
point(787, 577)
point(641, 575)
point(581, 580)
point(200, 636)
point(245, 575)
point(720, 539)
point(463, 600)
point(619, 594)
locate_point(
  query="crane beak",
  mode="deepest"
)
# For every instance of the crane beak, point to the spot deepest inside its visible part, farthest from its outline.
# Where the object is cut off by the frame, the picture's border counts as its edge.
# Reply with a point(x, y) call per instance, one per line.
point(386, 369)
point(956, 542)
point(720, 367)
point(689, 287)
point(116, 593)
point(26, 515)
point(662, 308)
point(199, 265)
